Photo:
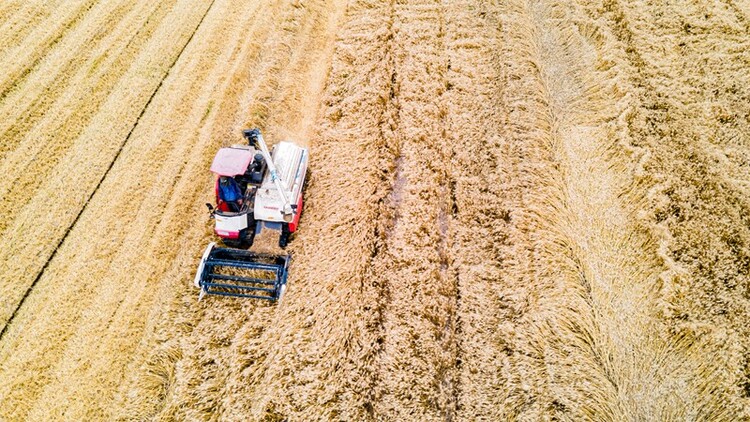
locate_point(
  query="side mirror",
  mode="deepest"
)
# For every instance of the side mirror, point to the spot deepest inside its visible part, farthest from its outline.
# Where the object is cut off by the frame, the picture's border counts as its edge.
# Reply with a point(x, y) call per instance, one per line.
point(294, 207)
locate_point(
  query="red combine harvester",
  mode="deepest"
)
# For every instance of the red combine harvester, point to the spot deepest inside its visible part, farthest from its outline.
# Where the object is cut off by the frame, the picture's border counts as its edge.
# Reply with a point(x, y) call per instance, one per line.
point(258, 197)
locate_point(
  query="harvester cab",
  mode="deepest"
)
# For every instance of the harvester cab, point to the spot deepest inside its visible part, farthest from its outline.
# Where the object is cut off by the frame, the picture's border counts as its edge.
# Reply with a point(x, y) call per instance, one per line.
point(258, 205)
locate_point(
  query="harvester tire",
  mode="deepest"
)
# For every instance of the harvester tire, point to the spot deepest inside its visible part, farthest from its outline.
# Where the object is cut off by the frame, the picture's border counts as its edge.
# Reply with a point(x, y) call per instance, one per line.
point(233, 243)
point(284, 236)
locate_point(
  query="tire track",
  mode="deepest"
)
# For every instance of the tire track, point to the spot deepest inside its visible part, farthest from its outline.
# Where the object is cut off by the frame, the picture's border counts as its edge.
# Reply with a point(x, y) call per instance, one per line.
point(416, 363)
point(484, 205)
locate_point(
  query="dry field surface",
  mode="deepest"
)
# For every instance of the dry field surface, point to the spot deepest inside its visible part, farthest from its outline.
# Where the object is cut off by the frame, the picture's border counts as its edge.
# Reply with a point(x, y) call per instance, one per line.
point(517, 209)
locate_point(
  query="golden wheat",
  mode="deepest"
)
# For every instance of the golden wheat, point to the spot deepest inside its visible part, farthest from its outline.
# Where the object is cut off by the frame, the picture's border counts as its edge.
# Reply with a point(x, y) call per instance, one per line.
point(61, 160)
point(517, 210)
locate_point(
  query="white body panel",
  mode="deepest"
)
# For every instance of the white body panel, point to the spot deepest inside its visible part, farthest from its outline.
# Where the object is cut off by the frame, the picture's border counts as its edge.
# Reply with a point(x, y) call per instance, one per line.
point(291, 164)
point(230, 224)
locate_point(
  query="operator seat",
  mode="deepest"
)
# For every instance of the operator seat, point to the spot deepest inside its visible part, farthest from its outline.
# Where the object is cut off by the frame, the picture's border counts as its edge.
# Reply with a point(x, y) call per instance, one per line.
point(230, 193)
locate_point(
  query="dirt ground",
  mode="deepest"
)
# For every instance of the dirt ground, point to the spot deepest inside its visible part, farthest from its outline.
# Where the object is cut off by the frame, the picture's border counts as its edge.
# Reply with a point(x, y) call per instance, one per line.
point(516, 210)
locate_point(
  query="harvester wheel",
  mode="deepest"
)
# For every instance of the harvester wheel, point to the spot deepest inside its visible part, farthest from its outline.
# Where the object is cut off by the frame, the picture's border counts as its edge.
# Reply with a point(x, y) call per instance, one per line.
point(233, 243)
point(284, 236)
point(283, 240)
point(245, 239)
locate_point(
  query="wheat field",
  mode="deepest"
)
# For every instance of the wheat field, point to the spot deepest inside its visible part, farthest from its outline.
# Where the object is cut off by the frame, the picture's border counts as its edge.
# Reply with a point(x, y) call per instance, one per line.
point(516, 210)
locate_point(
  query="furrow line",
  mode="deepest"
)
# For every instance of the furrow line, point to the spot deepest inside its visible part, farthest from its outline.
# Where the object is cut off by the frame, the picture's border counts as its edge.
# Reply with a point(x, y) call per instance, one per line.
point(96, 188)
point(27, 55)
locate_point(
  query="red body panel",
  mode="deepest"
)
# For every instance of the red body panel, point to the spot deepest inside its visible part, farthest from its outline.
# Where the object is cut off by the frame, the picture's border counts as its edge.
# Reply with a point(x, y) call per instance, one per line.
point(227, 235)
point(293, 224)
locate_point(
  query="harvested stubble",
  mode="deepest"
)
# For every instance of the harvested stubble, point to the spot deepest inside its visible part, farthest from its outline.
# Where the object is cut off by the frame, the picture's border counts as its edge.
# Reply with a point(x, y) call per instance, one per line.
point(521, 209)
point(23, 46)
point(19, 18)
point(48, 93)
point(267, 242)
point(56, 161)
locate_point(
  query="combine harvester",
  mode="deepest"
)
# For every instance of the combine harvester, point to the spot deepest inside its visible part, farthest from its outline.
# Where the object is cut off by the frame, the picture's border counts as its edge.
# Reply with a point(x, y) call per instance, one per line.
point(258, 205)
